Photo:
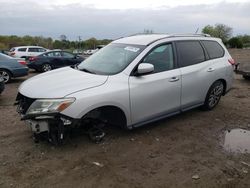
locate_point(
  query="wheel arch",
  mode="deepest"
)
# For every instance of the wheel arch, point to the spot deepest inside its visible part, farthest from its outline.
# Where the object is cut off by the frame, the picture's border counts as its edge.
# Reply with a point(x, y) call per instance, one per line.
point(113, 114)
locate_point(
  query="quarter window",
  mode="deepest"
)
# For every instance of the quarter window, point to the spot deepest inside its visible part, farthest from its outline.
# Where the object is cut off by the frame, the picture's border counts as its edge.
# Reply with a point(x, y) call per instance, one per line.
point(214, 49)
point(189, 53)
point(161, 57)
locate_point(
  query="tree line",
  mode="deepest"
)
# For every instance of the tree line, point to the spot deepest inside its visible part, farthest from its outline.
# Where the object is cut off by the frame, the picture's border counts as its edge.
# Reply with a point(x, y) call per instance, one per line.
point(7, 42)
point(225, 33)
point(218, 30)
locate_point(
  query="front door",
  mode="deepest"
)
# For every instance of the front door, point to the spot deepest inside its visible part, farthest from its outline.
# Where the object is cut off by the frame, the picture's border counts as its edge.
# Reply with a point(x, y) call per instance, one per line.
point(158, 93)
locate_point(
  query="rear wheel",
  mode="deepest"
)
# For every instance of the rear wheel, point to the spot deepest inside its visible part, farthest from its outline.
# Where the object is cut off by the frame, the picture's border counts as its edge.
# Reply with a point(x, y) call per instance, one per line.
point(213, 96)
point(46, 67)
point(6, 75)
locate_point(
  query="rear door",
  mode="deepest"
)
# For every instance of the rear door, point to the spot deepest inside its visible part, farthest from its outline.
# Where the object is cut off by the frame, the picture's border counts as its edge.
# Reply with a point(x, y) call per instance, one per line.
point(158, 93)
point(69, 58)
point(55, 59)
point(197, 72)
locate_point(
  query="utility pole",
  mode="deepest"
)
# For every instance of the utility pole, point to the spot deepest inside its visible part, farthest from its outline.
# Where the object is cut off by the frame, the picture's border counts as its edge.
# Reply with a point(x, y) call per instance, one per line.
point(79, 39)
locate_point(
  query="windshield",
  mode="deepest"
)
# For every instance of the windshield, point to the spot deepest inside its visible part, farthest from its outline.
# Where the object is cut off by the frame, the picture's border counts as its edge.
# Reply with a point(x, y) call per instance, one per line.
point(111, 59)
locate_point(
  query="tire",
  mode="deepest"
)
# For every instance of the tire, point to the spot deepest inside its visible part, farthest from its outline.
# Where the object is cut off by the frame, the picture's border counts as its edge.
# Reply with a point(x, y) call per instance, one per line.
point(46, 67)
point(6, 75)
point(213, 95)
point(246, 77)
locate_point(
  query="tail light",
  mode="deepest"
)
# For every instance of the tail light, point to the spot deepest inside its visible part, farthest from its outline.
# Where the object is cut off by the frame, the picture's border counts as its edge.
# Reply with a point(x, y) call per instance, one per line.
point(22, 62)
point(32, 58)
point(232, 61)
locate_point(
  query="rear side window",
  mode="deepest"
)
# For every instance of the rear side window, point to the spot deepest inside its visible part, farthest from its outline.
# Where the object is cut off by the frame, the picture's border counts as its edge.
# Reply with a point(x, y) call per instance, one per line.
point(54, 54)
point(68, 55)
point(22, 49)
point(189, 53)
point(41, 50)
point(33, 50)
point(214, 49)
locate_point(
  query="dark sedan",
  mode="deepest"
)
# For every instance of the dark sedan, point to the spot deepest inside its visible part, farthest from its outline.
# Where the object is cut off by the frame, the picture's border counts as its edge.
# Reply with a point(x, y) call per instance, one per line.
point(12, 68)
point(52, 60)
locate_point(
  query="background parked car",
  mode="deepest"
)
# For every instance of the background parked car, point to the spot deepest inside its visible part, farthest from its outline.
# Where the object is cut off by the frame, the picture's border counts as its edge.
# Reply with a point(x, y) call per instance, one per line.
point(26, 51)
point(92, 51)
point(52, 60)
point(1, 84)
point(11, 67)
point(4, 52)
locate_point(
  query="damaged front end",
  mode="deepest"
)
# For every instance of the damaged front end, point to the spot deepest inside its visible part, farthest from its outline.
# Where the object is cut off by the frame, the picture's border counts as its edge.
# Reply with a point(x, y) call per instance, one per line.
point(46, 122)
point(44, 118)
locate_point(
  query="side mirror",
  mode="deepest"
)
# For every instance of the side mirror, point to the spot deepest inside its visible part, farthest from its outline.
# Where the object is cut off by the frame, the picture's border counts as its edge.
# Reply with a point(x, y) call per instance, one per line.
point(145, 68)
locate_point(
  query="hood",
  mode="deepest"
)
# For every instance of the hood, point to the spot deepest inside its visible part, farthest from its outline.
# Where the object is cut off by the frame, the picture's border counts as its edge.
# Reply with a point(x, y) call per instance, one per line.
point(59, 83)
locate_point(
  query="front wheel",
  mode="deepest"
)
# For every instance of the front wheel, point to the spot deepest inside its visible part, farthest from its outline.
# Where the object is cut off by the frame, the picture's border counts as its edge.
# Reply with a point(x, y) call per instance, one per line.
point(213, 96)
point(5, 75)
point(46, 67)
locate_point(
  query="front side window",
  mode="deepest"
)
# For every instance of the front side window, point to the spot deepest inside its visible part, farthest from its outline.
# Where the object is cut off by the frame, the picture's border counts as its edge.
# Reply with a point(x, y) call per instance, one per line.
point(22, 49)
point(189, 53)
point(214, 49)
point(161, 57)
point(111, 59)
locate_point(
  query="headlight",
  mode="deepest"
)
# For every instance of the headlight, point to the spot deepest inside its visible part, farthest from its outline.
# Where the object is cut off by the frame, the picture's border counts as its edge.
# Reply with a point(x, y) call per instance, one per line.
point(41, 106)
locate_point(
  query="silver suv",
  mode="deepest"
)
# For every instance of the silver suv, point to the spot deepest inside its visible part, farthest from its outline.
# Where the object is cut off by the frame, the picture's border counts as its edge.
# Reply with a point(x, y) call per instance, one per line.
point(129, 83)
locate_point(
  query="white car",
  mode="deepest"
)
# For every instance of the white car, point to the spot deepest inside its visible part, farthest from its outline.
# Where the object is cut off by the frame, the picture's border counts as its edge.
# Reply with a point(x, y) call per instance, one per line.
point(26, 51)
point(130, 82)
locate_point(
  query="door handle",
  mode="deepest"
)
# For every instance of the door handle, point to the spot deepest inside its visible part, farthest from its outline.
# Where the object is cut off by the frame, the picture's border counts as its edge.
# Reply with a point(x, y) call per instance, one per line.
point(210, 69)
point(173, 79)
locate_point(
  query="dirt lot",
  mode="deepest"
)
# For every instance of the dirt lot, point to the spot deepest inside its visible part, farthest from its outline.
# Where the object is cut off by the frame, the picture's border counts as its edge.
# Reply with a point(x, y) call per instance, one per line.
point(164, 154)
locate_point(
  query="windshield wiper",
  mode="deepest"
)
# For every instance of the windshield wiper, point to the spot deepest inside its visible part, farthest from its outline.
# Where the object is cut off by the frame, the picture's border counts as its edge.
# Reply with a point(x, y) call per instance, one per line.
point(86, 70)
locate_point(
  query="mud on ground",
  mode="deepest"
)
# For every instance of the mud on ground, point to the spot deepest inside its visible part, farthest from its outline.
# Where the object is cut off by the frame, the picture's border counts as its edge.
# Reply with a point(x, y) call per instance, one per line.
point(167, 153)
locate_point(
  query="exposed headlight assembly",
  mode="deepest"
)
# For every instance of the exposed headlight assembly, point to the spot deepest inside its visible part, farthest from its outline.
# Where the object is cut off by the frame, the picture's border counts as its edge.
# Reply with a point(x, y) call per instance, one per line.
point(43, 106)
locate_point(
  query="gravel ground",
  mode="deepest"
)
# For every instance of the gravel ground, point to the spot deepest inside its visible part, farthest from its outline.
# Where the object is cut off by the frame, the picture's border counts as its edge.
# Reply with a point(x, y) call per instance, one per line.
point(182, 151)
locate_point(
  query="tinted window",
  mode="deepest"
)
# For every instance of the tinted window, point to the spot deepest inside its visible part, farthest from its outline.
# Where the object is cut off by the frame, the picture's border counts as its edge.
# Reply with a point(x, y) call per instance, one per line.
point(68, 55)
point(189, 53)
point(214, 49)
point(161, 57)
point(33, 50)
point(22, 49)
point(41, 50)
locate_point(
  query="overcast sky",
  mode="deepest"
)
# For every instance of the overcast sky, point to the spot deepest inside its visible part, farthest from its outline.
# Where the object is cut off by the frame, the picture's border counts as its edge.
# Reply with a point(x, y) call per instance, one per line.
point(113, 18)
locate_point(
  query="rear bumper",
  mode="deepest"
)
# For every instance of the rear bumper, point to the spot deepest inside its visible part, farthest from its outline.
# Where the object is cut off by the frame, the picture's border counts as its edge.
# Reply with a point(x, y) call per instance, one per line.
point(20, 72)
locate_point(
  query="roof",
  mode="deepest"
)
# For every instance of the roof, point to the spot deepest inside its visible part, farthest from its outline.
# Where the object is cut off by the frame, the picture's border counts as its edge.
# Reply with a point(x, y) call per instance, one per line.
point(141, 39)
point(27, 47)
point(150, 38)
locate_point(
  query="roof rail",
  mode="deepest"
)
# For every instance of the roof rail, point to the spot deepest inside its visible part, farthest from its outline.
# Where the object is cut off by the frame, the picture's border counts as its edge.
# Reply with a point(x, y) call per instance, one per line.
point(190, 35)
point(180, 35)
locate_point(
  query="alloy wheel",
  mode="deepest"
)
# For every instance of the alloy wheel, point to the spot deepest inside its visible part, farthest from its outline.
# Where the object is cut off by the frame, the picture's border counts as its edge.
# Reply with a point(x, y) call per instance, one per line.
point(5, 75)
point(215, 95)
